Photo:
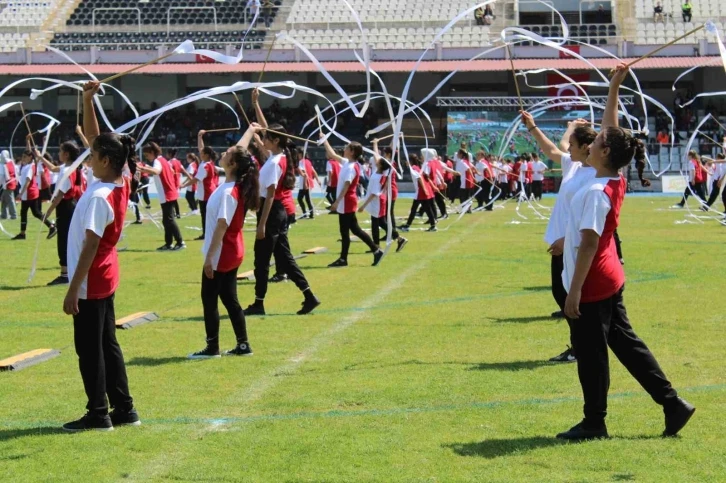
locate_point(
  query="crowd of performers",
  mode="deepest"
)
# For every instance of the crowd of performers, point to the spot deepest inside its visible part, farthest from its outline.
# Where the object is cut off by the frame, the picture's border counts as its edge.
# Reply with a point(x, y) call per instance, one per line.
point(260, 174)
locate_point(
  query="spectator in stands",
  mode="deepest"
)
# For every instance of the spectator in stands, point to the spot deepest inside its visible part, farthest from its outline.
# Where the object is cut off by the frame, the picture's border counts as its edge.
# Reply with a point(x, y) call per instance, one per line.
point(662, 138)
point(479, 16)
point(268, 9)
point(658, 13)
point(686, 9)
point(601, 16)
point(488, 15)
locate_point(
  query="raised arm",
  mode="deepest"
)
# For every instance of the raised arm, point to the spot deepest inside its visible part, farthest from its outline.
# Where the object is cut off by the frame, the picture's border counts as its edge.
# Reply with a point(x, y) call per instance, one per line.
point(200, 140)
point(329, 151)
point(544, 143)
point(84, 141)
point(90, 123)
point(258, 110)
point(610, 116)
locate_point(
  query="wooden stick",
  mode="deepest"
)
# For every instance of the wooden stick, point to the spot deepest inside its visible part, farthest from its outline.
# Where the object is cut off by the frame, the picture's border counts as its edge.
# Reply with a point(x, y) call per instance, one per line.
point(287, 135)
point(402, 135)
point(224, 130)
point(264, 66)
point(239, 103)
point(711, 139)
point(653, 52)
point(716, 121)
point(514, 74)
point(27, 125)
point(133, 69)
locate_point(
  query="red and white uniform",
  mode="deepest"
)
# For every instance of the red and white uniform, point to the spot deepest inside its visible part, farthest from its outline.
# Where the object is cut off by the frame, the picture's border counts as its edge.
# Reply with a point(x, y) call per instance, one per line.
point(574, 177)
point(8, 180)
point(462, 167)
point(69, 188)
point(28, 173)
point(307, 166)
point(165, 185)
point(192, 170)
point(349, 172)
point(394, 183)
point(469, 179)
point(483, 170)
point(101, 209)
point(333, 170)
point(698, 173)
point(530, 172)
point(43, 175)
point(422, 189)
point(226, 203)
point(538, 170)
point(449, 177)
point(377, 206)
point(596, 207)
point(208, 180)
point(177, 167)
point(270, 175)
point(523, 173)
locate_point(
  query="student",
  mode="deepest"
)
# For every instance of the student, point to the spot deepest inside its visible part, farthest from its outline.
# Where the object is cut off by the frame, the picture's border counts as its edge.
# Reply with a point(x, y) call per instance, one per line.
point(697, 178)
point(717, 179)
point(135, 184)
point(538, 173)
point(346, 202)
point(333, 170)
point(376, 202)
point(594, 280)
point(8, 185)
point(30, 196)
point(191, 186)
point(167, 192)
point(224, 248)
point(276, 175)
point(177, 167)
point(423, 195)
point(435, 169)
point(93, 269)
point(452, 187)
point(484, 177)
point(466, 176)
point(207, 179)
point(572, 156)
point(64, 202)
point(393, 180)
point(307, 172)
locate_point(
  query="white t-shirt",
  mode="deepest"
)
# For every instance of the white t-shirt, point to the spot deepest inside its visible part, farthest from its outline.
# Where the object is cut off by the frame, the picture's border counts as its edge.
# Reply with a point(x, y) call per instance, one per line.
point(26, 174)
point(90, 179)
point(375, 189)
point(523, 168)
point(719, 170)
point(538, 170)
point(503, 175)
point(65, 184)
point(588, 211)
point(481, 167)
point(220, 206)
point(462, 169)
point(270, 173)
point(346, 175)
point(40, 169)
point(158, 183)
point(574, 177)
point(93, 212)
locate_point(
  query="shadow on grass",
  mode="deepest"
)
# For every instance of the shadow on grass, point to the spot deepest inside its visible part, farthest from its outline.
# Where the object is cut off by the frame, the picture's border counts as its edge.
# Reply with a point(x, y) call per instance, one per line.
point(155, 361)
point(495, 448)
point(538, 288)
point(8, 434)
point(510, 366)
point(12, 288)
point(522, 320)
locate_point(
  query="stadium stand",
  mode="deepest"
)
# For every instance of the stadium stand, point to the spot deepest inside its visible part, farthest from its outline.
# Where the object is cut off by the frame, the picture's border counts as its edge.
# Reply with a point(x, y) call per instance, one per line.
point(12, 42)
point(650, 32)
point(25, 13)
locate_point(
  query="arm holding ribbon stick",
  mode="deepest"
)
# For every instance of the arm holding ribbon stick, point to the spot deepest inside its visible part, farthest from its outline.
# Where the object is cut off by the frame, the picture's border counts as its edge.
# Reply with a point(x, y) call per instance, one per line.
point(269, 190)
point(90, 123)
point(610, 115)
point(331, 154)
point(84, 141)
point(258, 110)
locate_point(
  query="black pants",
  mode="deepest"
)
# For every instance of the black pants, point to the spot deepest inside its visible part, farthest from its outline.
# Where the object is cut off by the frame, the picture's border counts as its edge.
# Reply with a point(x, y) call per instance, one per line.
point(605, 324)
point(440, 203)
point(303, 196)
point(145, 192)
point(175, 204)
point(191, 200)
point(537, 189)
point(381, 223)
point(99, 356)
point(715, 191)
point(452, 190)
point(485, 195)
point(464, 195)
point(64, 214)
point(349, 224)
point(171, 229)
point(687, 17)
point(275, 243)
point(698, 188)
point(557, 265)
point(34, 207)
point(428, 208)
point(223, 287)
point(504, 188)
point(330, 193)
point(203, 211)
point(135, 199)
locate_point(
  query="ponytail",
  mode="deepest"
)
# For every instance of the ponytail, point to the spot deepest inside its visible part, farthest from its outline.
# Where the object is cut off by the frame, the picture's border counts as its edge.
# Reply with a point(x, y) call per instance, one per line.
point(247, 178)
point(118, 148)
point(73, 151)
point(288, 178)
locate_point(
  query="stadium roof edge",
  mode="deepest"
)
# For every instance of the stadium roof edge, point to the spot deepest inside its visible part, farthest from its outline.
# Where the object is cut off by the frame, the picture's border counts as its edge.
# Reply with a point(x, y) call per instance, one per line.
point(400, 66)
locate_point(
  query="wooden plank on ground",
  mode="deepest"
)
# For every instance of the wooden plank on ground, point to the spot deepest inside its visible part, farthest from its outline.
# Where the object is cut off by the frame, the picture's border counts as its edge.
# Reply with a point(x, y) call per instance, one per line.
point(27, 359)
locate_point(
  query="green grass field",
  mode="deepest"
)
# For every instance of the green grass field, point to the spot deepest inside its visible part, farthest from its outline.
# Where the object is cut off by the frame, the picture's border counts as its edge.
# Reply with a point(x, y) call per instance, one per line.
point(431, 367)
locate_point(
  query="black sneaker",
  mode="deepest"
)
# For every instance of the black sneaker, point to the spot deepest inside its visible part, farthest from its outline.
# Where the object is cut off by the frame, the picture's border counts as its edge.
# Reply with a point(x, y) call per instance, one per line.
point(558, 315)
point(137, 222)
point(60, 280)
point(89, 422)
point(179, 246)
point(19, 236)
point(206, 353)
point(164, 248)
point(278, 277)
point(567, 356)
point(377, 257)
point(580, 432)
point(433, 229)
point(148, 207)
point(677, 416)
point(242, 349)
point(52, 232)
point(401, 243)
point(308, 305)
point(200, 237)
point(255, 309)
point(125, 418)
point(339, 263)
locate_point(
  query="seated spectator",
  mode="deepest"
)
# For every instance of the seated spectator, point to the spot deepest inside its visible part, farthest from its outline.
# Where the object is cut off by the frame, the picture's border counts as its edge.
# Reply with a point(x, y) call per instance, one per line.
point(663, 138)
point(479, 16)
point(686, 9)
point(488, 15)
point(658, 13)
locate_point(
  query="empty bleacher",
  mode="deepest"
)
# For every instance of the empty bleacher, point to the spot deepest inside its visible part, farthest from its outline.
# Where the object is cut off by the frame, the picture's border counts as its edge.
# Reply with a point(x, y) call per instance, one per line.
point(648, 31)
point(24, 13)
point(11, 42)
point(70, 41)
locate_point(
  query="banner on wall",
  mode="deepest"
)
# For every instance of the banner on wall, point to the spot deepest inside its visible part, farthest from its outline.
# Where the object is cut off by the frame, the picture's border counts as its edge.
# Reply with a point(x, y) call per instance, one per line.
point(566, 90)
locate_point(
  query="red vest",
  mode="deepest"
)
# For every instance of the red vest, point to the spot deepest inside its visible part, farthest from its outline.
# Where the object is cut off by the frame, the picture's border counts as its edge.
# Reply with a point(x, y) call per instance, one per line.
point(12, 182)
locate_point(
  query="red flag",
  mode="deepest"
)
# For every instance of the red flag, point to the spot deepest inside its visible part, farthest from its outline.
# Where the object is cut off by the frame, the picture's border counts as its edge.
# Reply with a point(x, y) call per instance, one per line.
point(571, 48)
point(565, 87)
point(202, 59)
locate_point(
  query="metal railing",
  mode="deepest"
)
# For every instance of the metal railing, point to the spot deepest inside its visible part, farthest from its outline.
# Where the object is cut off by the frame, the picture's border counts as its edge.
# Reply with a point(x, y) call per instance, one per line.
point(93, 15)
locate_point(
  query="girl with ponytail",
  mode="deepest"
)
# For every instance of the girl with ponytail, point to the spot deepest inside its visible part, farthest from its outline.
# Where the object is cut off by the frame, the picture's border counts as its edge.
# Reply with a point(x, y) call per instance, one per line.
point(276, 177)
point(93, 270)
point(68, 192)
point(224, 250)
point(594, 280)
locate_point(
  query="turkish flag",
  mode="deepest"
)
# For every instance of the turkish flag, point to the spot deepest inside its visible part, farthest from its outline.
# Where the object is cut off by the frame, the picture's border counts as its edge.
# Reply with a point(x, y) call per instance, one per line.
point(561, 87)
point(202, 59)
point(571, 48)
